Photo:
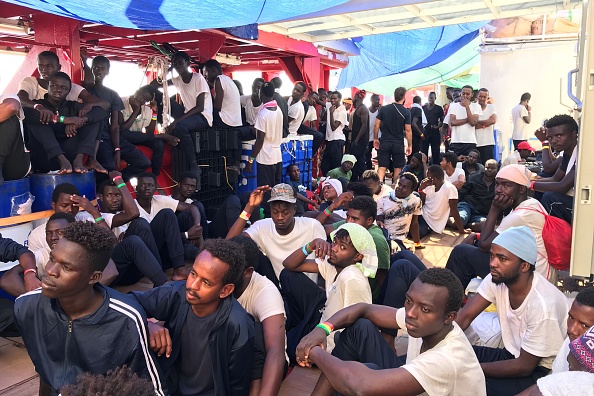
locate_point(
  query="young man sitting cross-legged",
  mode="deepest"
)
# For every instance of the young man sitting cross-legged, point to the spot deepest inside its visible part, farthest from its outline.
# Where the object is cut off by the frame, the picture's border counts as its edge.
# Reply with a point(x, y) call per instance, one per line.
point(439, 360)
point(74, 325)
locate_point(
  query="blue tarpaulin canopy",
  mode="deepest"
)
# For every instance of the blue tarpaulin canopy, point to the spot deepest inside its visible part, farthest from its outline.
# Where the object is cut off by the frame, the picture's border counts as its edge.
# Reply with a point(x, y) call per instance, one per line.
point(176, 14)
point(389, 54)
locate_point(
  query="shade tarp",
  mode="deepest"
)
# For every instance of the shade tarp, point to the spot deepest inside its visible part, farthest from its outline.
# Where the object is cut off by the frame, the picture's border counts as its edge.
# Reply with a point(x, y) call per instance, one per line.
point(458, 64)
point(388, 54)
point(178, 14)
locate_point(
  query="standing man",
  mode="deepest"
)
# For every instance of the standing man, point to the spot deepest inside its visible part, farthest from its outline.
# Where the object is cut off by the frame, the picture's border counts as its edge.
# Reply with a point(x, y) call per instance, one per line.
point(373, 111)
point(308, 124)
point(419, 121)
point(485, 138)
point(434, 115)
point(463, 119)
point(521, 115)
point(252, 103)
point(336, 120)
point(395, 124)
point(360, 134)
point(226, 110)
point(282, 104)
point(296, 108)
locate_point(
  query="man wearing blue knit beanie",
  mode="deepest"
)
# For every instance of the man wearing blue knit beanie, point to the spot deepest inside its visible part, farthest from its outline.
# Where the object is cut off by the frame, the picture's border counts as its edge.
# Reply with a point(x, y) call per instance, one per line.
point(532, 313)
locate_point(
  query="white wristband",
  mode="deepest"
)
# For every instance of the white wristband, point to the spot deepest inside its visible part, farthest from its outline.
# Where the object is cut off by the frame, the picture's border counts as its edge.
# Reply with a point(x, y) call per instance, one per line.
point(186, 234)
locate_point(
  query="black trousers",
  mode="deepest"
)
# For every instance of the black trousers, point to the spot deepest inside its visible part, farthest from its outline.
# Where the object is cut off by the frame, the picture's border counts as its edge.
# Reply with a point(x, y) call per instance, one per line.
point(424, 228)
point(506, 386)
point(221, 223)
point(46, 142)
point(134, 259)
point(558, 205)
point(462, 148)
point(468, 262)
point(318, 137)
point(14, 161)
point(147, 140)
point(358, 150)
point(304, 301)
point(332, 155)
point(368, 159)
point(183, 131)
point(137, 162)
point(486, 152)
point(269, 175)
point(362, 342)
point(433, 140)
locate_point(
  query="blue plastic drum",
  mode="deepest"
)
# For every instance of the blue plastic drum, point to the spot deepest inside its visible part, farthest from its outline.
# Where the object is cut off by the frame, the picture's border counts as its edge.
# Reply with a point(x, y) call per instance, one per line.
point(42, 187)
point(12, 194)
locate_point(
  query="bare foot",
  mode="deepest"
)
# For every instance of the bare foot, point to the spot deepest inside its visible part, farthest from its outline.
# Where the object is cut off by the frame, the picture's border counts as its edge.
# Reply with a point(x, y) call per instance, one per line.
point(65, 165)
point(78, 165)
point(172, 140)
point(93, 164)
point(180, 273)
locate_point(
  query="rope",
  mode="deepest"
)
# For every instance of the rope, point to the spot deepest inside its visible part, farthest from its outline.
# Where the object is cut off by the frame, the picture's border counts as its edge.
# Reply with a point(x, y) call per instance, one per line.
point(161, 66)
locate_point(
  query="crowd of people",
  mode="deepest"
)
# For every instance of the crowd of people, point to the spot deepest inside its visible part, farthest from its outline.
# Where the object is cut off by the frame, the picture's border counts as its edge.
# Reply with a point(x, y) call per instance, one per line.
point(326, 277)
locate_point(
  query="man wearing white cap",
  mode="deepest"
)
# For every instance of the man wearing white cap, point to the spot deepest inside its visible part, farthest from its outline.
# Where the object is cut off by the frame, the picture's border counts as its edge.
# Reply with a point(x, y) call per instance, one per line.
point(345, 169)
point(471, 258)
point(532, 313)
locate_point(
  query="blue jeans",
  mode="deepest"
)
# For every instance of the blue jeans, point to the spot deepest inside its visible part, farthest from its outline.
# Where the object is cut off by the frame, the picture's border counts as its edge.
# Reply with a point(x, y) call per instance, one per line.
point(468, 214)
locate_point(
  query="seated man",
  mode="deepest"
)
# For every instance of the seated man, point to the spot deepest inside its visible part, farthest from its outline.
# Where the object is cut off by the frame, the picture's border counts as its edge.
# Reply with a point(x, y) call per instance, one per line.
point(362, 210)
point(212, 337)
point(468, 261)
point(532, 313)
point(308, 122)
point(439, 360)
point(520, 155)
point(294, 180)
point(112, 147)
point(399, 212)
point(344, 265)
point(12, 284)
point(63, 141)
point(222, 221)
point(453, 174)
point(579, 319)
point(345, 169)
point(226, 110)
point(281, 233)
point(562, 133)
point(440, 201)
point(14, 159)
point(476, 195)
point(53, 232)
point(471, 164)
point(73, 311)
point(417, 165)
point(379, 189)
point(159, 211)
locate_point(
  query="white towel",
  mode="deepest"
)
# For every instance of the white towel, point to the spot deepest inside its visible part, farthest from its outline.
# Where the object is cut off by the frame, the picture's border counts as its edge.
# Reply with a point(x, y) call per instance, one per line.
point(424, 119)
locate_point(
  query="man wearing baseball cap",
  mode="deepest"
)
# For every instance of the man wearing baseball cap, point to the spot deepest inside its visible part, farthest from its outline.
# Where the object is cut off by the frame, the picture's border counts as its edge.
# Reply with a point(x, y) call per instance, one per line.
point(520, 155)
point(280, 234)
point(471, 258)
point(532, 313)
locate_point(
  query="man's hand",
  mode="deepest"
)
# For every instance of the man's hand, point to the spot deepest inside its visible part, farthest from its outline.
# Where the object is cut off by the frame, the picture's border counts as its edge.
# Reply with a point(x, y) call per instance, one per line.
point(342, 199)
point(470, 239)
point(70, 130)
point(160, 340)
point(426, 182)
point(134, 104)
point(114, 174)
point(85, 109)
point(458, 184)
point(424, 158)
point(257, 196)
point(380, 224)
point(502, 201)
point(465, 102)
point(170, 128)
point(31, 281)
point(464, 231)
point(317, 337)
point(528, 107)
point(117, 158)
point(248, 167)
point(45, 116)
point(541, 134)
point(82, 202)
point(195, 232)
point(76, 121)
point(408, 150)
point(376, 144)
point(320, 247)
point(153, 105)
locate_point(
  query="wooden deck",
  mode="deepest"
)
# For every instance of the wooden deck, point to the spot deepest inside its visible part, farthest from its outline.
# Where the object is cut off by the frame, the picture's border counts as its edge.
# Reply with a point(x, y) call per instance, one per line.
point(18, 377)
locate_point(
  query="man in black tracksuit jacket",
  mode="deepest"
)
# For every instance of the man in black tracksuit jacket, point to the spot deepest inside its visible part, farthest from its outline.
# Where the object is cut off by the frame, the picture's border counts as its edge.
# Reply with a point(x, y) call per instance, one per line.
point(228, 340)
point(74, 325)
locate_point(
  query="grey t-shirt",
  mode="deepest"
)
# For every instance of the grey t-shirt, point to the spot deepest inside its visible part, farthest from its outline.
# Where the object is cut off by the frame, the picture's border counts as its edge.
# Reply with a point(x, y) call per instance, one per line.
point(195, 364)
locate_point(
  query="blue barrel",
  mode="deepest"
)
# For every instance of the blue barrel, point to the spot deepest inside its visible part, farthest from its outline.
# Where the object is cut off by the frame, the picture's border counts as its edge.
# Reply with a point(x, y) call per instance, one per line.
point(13, 193)
point(247, 182)
point(42, 187)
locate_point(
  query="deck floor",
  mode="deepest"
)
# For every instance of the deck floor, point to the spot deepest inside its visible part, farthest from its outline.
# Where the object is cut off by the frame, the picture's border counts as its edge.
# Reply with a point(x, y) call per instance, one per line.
point(18, 377)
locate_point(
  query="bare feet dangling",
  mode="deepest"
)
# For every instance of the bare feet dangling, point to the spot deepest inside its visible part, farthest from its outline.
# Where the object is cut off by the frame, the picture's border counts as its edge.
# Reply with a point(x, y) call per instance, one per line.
point(93, 164)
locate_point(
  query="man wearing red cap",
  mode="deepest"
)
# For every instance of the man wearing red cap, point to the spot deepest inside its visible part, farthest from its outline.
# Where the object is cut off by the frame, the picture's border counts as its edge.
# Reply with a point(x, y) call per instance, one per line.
point(520, 155)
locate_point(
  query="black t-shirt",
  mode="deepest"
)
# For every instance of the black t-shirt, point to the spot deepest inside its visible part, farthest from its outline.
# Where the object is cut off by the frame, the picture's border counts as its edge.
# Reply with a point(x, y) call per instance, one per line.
point(393, 118)
point(417, 113)
point(433, 116)
point(115, 102)
point(195, 363)
point(565, 161)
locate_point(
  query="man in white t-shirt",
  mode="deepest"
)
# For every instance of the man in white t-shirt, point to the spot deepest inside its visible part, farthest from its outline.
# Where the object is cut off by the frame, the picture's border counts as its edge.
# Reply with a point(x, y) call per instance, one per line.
point(379, 189)
point(159, 211)
point(345, 265)
point(196, 98)
point(336, 120)
point(311, 116)
point(453, 173)
point(440, 201)
point(252, 103)
point(296, 109)
point(279, 234)
point(579, 319)
point(485, 139)
point(14, 158)
point(521, 115)
point(308, 125)
point(439, 361)
point(471, 258)
point(269, 134)
point(373, 112)
point(463, 119)
point(532, 313)
point(226, 106)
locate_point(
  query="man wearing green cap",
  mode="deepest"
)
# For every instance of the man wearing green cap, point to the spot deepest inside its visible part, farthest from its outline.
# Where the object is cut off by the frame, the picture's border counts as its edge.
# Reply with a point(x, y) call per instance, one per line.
point(532, 313)
point(345, 266)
